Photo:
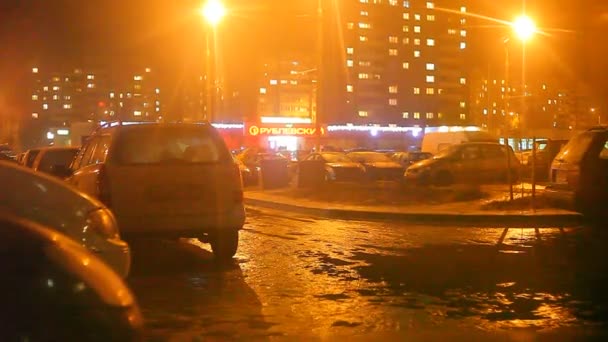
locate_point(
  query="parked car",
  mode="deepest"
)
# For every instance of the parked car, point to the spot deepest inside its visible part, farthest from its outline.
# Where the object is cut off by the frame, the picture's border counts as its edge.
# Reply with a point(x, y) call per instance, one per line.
point(6, 152)
point(338, 167)
point(405, 159)
point(465, 163)
point(579, 173)
point(53, 289)
point(29, 157)
point(52, 203)
point(55, 161)
point(378, 166)
point(162, 179)
point(546, 150)
point(248, 177)
point(7, 157)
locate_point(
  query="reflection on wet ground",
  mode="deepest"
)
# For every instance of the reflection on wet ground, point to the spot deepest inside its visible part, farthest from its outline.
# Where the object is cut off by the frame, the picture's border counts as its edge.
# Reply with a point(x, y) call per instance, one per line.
point(307, 279)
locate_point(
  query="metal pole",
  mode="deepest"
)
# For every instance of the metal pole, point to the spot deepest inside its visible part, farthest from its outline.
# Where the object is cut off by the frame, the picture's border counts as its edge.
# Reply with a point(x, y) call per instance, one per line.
point(533, 171)
point(208, 86)
point(319, 75)
point(507, 95)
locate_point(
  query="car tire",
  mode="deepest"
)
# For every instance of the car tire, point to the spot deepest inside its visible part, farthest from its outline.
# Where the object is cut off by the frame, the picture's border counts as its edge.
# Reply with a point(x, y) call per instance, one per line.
point(224, 244)
point(444, 178)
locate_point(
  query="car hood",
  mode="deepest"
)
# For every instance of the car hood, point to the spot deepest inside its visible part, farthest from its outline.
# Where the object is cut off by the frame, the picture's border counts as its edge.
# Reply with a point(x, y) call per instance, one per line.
point(425, 163)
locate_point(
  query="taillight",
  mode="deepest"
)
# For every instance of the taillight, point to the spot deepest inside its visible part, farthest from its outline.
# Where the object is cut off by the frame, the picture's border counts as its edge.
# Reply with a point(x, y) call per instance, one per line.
point(103, 186)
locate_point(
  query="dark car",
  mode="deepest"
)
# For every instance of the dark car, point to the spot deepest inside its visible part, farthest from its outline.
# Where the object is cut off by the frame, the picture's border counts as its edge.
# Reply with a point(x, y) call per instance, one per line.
point(55, 290)
point(378, 166)
point(579, 173)
point(338, 167)
point(405, 159)
point(546, 150)
point(55, 161)
point(30, 157)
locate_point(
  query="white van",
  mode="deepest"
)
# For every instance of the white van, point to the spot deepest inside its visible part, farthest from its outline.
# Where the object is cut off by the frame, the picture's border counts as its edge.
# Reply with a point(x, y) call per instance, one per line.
point(434, 142)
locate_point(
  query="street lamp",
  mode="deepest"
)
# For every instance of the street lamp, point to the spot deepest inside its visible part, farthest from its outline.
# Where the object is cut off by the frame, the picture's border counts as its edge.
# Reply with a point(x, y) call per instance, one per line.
point(524, 28)
point(213, 12)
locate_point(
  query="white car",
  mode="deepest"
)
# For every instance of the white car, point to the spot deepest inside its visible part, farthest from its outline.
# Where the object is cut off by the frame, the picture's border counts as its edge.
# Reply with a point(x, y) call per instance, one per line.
point(52, 203)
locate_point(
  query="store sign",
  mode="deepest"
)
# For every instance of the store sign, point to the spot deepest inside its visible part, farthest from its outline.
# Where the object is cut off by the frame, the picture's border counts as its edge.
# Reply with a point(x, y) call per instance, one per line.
point(289, 129)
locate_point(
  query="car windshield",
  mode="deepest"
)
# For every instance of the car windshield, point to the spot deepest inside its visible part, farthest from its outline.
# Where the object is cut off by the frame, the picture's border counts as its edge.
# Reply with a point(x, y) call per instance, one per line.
point(369, 157)
point(53, 158)
point(336, 158)
point(170, 144)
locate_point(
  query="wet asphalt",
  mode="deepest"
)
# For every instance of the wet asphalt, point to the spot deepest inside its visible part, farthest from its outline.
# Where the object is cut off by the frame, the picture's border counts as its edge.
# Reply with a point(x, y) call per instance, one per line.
point(308, 279)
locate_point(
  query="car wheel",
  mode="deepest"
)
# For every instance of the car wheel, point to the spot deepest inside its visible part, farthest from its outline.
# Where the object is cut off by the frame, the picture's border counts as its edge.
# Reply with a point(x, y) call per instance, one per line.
point(444, 178)
point(224, 244)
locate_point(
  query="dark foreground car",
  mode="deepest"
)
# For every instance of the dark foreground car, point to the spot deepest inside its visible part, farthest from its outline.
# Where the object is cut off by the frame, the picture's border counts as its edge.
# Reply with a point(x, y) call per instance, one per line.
point(52, 289)
point(579, 173)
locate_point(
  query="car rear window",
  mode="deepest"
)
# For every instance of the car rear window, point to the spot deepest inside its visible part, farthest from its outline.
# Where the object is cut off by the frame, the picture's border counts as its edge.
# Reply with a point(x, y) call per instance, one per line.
point(56, 157)
point(170, 144)
point(575, 150)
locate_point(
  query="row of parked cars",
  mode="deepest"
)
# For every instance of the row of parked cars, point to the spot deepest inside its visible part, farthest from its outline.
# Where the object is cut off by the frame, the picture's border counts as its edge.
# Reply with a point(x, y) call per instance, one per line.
point(64, 213)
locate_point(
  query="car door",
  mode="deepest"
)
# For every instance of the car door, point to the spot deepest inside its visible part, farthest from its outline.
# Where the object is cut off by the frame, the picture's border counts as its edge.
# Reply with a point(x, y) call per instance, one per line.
point(494, 162)
point(470, 168)
point(85, 178)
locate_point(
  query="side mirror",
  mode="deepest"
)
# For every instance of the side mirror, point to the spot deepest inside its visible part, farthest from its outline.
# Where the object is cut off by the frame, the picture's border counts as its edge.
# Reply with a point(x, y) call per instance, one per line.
point(61, 171)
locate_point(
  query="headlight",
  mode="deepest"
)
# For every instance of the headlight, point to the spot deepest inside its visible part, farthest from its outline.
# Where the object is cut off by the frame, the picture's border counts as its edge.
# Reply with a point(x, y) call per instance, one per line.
point(103, 222)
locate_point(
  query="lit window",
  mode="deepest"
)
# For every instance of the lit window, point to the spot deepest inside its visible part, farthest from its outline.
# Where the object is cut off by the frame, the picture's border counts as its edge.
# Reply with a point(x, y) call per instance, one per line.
point(34, 115)
point(90, 85)
point(430, 4)
point(430, 79)
point(55, 79)
point(393, 89)
point(463, 9)
point(364, 13)
point(463, 45)
point(34, 71)
point(55, 97)
point(392, 102)
point(430, 42)
point(362, 38)
point(463, 116)
point(439, 115)
point(112, 95)
point(416, 90)
point(365, 63)
point(55, 88)
point(405, 115)
point(349, 88)
point(416, 115)
point(406, 16)
point(283, 81)
point(157, 103)
point(148, 70)
point(363, 113)
point(451, 31)
point(157, 91)
point(406, 4)
point(45, 106)
point(392, 52)
point(34, 97)
point(463, 33)
point(350, 26)
point(430, 66)
point(137, 78)
point(274, 82)
point(406, 28)
point(364, 1)
point(365, 25)
point(430, 17)
point(137, 87)
point(262, 90)
point(363, 76)
point(430, 91)
point(90, 77)
point(67, 97)
point(417, 17)
point(350, 50)
point(136, 113)
point(463, 21)
point(67, 105)
point(405, 65)
point(463, 81)
point(349, 63)
point(45, 88)
point(429, 115)
point(157, 109)
point(393, 2)
point(463, 104)
point(417, 29)
point(393, 39)
point(416, 53)
point(416, 41)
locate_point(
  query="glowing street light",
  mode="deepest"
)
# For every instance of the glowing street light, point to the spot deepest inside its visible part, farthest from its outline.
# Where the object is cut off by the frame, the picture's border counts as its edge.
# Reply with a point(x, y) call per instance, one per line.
point(213, 12)
point(524, 27)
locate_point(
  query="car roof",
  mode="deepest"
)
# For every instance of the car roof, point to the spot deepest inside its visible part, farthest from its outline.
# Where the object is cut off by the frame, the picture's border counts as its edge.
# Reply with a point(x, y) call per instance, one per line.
point(59, 148)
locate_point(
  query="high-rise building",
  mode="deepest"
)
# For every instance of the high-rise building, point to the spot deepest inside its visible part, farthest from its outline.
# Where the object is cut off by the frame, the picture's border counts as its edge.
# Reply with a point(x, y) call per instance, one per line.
point(404, 62)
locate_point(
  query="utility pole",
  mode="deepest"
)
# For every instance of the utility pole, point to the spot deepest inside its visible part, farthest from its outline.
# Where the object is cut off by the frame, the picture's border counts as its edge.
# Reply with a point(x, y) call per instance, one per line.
point(319, 90)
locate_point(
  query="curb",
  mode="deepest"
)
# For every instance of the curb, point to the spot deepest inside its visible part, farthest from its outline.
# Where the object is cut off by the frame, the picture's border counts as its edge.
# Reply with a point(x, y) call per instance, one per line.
point(477, 220)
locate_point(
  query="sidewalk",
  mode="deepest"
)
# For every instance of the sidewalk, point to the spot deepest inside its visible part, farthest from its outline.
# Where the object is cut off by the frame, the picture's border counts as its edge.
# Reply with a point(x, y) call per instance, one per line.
point(458, 213)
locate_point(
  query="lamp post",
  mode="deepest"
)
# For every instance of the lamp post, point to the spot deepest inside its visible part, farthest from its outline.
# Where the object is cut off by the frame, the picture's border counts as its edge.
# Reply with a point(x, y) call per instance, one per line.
point(213, 12)
point(319, 90)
